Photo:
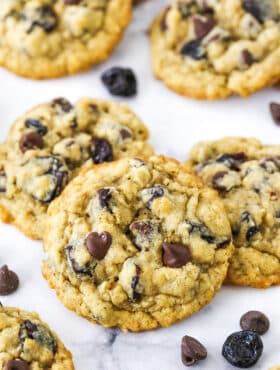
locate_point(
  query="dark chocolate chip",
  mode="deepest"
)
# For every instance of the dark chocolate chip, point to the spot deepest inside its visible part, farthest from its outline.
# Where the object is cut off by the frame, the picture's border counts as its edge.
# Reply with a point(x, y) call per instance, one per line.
point(247, 58)
point(38, 333)
point(31, 140)
point(262, 10)
point(36, 125)
point(163, 23)
point(104, 196)
point(251, 226)
point(192, 351)
point(98, 244)
point(175, 255)
point(207, 235)
point(45, 18)
point(142, 227)
point(120, 81)
point(9, 281)
point(101, 151)
point(275, 112)
point(62, 104)
point(232, 160)
point(203, 25)
point(17, 364)
point(154, 192)
point(193, 49)
point(243, 349)
point(3, 180)
point(217, 180)
point(72, 2)
point(125, 134)
point(135, 281)
point(83, 270)
point(256, 321)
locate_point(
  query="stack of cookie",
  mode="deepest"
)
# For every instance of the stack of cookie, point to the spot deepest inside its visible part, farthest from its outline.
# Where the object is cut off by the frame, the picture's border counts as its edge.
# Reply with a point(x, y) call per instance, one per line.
point(133, 239)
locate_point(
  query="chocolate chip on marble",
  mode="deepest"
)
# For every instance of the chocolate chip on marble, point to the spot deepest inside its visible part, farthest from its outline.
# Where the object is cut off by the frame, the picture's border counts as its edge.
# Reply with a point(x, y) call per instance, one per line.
point(45, 18)
point(62, 105)
point(232, 160)
point(120, 81)
point(247, 58)
point(9, 281)
point(39, 333)
point(203, 25)
point(78, 269)
point(3, 180)
point(98, 244)
point(194, 50)
point(30, 140)
point(16, 364)
point(175, 255)
point(163, 22)
point(101, 150)
point(275, 112)
point(256, 321)
point(104, 196)
point(135, 281)
point(192, 351)
point(37, 125)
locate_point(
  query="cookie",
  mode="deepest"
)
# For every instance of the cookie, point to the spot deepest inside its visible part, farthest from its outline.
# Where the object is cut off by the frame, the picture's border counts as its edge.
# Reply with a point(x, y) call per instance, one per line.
point(246, 174)
point(48, 145)
point(210, 49)
point(45, 39)
point(28, 343)
point(136, 244)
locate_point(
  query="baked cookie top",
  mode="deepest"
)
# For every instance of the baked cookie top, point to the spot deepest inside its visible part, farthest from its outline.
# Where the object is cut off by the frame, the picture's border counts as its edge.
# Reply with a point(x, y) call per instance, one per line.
point(49, 144)
point(209, 49)
point(45, 38)
point(136, 244)
point(27, 343)
point(246, 174)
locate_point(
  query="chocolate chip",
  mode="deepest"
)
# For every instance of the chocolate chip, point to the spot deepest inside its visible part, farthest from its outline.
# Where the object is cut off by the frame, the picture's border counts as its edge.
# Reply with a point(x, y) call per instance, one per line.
point(175, 255)
point(9, 281)
point(247, 58)
point(262, 10)
point(17, 364)
point(135, 281)
point(101, 151)
point(153, 193)
point(120, 81)
point(98, 244)
point(192, 351)
point(203, 25)
point(256, 321)
point(72, 2)
point(207, 235)
point(143, 227)
point(37, 125)
point(3, 180)
point(62, 105)
point(193, 49)
point(142, 233)
point(37, 332)
point(125, 134)
point(163, 23)
point(232, 160)
point(275, 112)
point(30, 140)
point(217, 180)
point(84, 270)
point(105, 195)
point(45, 18)
point(248, 222)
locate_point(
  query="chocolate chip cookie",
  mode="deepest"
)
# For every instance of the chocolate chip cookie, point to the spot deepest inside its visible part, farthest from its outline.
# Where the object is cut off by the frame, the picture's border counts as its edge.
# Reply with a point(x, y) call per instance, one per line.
point(136, 244)
point(246, 174)
point(27, 343)
point(210, 49)
point(48, 145)
point(45, 39)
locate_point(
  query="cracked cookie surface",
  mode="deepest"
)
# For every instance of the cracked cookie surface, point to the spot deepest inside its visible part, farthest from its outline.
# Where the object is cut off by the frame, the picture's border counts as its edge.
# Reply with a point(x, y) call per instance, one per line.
point(28, 343)
point(137, 244)
point(210, 49)
point(246, 174)
point(49, 144)
point(46, 39)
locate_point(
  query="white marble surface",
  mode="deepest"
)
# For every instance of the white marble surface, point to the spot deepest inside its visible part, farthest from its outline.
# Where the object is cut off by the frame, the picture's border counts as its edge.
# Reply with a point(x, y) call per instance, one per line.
point(176, 124)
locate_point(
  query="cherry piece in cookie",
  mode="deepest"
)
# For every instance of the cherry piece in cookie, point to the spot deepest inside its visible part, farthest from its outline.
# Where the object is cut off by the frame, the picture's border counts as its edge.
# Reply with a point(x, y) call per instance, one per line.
point(192, 351)
point(256, 321)
point(9, 281)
